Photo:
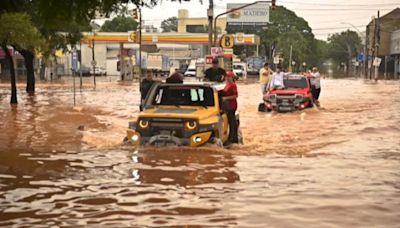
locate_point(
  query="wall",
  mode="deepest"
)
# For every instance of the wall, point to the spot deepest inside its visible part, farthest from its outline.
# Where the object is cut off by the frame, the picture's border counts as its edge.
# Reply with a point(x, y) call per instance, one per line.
point(184, 20)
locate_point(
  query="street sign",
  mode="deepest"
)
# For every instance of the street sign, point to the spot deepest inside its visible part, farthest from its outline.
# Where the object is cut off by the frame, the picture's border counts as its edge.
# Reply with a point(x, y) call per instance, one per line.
point(227, 41)
point(377, 61)
point(93, 62)
point(217, 51)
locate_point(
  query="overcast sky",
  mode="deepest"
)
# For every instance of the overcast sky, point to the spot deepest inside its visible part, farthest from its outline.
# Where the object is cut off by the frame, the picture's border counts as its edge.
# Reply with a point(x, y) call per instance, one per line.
point(324, 16)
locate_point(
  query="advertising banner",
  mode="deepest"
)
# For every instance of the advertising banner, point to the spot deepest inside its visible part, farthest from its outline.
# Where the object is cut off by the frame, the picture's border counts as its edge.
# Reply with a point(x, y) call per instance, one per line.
point(257, 14)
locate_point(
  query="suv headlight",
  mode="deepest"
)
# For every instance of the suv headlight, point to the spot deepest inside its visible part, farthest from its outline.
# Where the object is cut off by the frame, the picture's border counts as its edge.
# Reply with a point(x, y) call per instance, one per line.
point(143, 124)
point(272, 97)
point(191, 125)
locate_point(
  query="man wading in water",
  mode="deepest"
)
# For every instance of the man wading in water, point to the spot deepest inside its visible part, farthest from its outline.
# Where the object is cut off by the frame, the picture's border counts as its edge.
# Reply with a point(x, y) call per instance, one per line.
point(215, 73)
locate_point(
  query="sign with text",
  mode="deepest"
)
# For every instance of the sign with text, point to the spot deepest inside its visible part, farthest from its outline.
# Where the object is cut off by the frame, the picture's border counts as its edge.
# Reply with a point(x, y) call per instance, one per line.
point(217, 51)
point(257, 14)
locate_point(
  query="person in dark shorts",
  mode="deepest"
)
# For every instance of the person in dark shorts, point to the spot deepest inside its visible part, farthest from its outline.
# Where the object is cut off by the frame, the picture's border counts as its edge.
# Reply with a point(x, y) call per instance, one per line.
point(230, 95)
point(215, 73)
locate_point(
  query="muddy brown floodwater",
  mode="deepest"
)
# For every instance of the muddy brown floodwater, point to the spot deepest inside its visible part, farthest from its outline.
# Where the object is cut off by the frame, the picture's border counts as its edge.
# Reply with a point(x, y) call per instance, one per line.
point(334, 167)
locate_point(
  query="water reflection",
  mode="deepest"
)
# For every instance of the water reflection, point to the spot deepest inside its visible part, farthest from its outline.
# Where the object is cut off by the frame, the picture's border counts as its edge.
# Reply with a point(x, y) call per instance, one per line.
point(185, 168)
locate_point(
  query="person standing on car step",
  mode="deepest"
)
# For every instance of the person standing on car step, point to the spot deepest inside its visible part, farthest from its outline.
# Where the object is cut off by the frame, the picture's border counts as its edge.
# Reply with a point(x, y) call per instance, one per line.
point(265, 78)
point(215, 73)
point(145, 87)
point(277, 79)
point(229, 99)
point(315, 80)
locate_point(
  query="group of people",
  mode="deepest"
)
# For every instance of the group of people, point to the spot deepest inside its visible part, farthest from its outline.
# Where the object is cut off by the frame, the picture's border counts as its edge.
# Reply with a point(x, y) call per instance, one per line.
point(214, 74)
point(271, 80)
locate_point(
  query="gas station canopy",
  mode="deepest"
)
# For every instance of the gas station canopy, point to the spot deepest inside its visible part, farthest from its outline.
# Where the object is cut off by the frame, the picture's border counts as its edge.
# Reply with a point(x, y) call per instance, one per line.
point(171, 38)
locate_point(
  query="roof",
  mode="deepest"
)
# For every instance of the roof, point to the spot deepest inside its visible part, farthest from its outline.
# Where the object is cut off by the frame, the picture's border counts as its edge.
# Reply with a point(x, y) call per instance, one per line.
point(390, 21)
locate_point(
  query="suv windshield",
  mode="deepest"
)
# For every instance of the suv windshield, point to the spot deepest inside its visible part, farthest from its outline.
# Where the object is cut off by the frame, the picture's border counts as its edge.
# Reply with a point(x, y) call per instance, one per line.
point(295, 82)
point(183, 95)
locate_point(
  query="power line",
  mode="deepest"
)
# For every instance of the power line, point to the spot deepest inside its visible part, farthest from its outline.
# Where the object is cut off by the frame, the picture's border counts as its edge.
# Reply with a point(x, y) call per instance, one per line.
point(358, 26)
point(340, 5)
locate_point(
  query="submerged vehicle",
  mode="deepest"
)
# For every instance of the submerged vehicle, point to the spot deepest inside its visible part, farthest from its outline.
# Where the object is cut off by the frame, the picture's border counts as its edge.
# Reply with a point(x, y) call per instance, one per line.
point(181, 114)
point(295, 96)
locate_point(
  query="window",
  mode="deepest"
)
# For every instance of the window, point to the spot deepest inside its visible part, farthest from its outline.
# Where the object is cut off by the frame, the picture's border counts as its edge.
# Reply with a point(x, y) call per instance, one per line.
point(184, 95)
point(295, 83)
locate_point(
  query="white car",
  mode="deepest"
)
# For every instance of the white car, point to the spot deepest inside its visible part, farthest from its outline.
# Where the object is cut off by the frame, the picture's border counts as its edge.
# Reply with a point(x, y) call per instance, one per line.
point(98, 71)
point(240, 70)
point(190, 72)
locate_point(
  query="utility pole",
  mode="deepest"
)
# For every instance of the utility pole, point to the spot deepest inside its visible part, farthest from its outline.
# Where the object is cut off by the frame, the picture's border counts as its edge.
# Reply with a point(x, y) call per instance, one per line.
point(373, 46)
point(366, 53)
point(377, 41)
point(94, 64)
point(210, 14)
point(80, 65)
point(290, 58)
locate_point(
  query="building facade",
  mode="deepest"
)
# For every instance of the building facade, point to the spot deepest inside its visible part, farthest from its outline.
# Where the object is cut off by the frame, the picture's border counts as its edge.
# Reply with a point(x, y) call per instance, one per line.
point(382, 40)
point(196, 24)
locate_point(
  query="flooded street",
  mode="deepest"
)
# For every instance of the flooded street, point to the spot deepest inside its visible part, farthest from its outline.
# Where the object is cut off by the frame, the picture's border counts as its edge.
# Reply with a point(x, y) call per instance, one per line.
point(337, 166)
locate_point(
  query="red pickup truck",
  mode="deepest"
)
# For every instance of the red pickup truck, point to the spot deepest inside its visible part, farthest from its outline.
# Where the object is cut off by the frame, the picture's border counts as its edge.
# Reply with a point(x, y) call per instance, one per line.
point(295, 96)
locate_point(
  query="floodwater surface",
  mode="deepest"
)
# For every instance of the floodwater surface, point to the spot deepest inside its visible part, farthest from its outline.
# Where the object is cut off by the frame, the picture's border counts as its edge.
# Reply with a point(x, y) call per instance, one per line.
point(337, 166)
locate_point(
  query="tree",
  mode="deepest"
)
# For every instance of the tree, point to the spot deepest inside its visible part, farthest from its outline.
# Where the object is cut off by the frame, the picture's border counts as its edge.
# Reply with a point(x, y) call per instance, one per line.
point(343, 47)
point(170, 25)
point(17, 30)
point(119, 24)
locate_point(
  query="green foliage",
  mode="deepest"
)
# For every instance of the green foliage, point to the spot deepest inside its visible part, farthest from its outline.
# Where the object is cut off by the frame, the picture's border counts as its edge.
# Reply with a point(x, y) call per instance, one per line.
point(343, 46)
point(16, 29)
point(170, 25)
point(286, 29)
point(119, 24)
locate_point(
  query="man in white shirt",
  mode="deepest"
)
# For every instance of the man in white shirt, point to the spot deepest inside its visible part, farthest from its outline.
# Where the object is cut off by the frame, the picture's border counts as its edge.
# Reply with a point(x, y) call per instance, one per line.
point(277, 79)
point(315, 80)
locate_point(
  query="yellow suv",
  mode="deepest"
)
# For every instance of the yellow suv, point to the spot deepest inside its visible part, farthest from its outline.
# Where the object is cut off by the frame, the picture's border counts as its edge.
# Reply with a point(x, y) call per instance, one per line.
point(181, 114)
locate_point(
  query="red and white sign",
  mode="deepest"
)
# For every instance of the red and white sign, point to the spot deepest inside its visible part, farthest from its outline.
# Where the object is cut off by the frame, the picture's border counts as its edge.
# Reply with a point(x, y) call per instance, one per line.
point(209, 59)
point(217, 51)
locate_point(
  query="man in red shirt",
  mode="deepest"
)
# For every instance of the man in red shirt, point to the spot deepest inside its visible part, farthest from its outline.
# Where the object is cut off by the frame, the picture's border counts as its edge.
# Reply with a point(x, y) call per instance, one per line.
point(229, 96)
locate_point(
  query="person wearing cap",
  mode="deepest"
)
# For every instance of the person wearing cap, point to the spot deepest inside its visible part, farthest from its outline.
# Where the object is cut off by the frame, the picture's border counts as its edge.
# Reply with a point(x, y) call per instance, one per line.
point(315, 81)
point(229, 98)
point(215, 73)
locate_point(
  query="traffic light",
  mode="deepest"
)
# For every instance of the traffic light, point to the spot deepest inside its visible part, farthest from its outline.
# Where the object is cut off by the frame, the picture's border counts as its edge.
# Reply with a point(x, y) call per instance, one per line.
point(135, 14)
point(273, 4)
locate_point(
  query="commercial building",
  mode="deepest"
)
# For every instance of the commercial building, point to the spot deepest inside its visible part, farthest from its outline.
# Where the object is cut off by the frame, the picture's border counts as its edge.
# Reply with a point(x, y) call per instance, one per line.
point(383, 41)
point(196, 24)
